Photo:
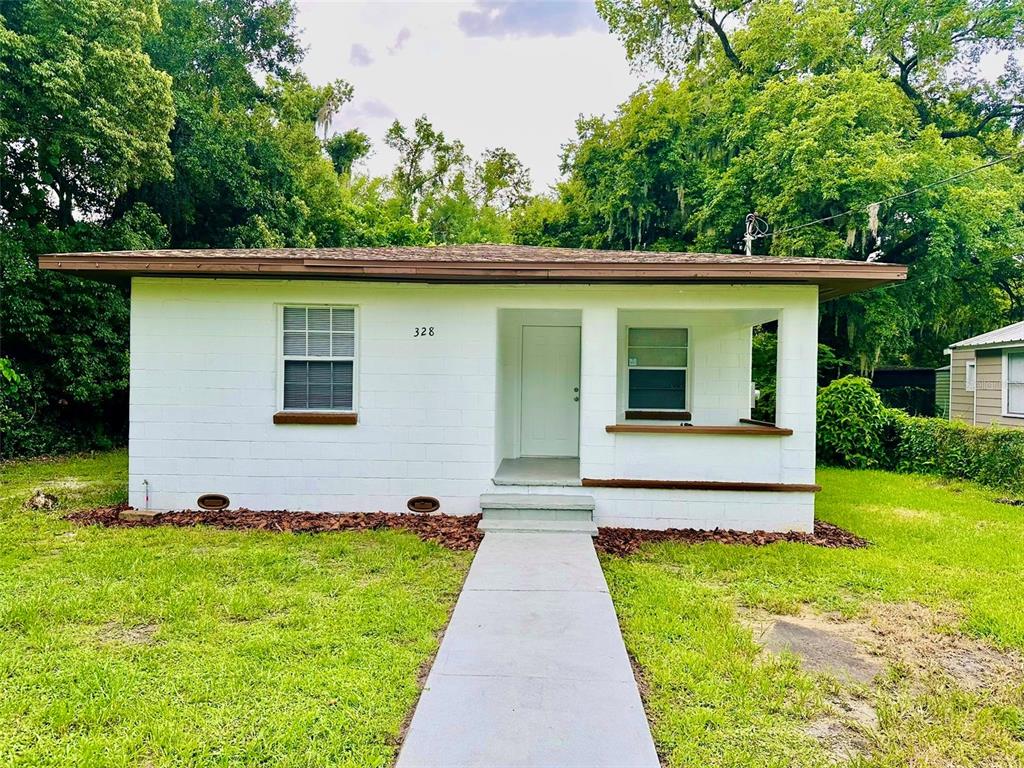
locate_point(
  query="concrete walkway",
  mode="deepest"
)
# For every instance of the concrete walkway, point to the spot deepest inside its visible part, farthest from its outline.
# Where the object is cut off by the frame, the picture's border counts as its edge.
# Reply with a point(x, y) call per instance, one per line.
point(532, 672)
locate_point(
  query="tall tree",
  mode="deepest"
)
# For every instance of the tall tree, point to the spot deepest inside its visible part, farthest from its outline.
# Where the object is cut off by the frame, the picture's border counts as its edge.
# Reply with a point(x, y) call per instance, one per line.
point(335, 96)
point(345, 149)
point(229, 175)
point(85, 116)
point(427, 163)
point(501, 180)
point(218, 46)
point(671, 34)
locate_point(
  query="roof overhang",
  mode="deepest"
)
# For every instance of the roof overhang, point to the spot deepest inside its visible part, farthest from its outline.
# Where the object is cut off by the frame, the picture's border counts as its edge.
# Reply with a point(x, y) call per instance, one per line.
point(1008, 336)
point(833, 277)
point(995, 345)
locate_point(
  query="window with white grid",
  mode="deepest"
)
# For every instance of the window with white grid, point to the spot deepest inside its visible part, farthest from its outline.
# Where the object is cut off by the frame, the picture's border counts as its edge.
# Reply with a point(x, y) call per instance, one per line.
point(1015, 383)
point(319, 349)
point(656, 368)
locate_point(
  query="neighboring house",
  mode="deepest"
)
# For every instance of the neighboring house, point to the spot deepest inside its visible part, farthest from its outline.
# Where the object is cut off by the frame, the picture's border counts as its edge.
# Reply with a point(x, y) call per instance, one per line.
point(357, 379)
point(987, 378)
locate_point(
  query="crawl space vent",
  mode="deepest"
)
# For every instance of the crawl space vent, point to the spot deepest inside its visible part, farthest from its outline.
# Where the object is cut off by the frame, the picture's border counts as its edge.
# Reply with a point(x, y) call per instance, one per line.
point(213, 501)
point(423, 504)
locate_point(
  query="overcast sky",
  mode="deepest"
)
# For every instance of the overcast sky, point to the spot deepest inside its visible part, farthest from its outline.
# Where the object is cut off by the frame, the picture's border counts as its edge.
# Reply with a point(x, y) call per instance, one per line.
point(512, 74)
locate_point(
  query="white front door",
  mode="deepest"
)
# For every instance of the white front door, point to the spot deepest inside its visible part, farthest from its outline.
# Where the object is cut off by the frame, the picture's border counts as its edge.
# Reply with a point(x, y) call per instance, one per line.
point(550, 409)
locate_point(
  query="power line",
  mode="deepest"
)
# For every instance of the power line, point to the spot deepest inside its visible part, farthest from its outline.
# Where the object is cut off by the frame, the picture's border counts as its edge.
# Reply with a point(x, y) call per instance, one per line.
point(759, 223)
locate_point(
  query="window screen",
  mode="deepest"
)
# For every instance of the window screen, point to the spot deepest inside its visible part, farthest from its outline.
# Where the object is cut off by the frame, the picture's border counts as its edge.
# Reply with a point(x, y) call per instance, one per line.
point(1015, 383)
point(319, 345)
point(656, 359)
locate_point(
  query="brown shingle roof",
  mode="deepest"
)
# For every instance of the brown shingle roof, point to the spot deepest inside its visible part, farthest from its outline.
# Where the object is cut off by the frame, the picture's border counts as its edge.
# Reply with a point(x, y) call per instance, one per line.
point(485, 264)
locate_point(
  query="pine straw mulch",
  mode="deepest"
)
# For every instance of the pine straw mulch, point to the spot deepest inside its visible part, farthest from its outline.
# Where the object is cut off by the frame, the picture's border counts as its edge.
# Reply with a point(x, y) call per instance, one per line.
point(458, 532)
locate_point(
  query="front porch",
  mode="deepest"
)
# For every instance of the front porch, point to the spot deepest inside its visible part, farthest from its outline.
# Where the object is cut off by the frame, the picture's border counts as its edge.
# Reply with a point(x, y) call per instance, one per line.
point(648, 407)
point(533, 470)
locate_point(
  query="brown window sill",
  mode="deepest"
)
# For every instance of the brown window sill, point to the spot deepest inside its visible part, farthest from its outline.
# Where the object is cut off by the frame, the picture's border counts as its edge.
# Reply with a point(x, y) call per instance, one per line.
point(659, 415)
point(313, 417)
point(667, 429)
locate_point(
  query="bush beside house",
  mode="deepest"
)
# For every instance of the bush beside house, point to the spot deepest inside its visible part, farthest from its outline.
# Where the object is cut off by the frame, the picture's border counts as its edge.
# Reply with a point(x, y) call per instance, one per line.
point(855, 429)
point(851, 419)
point(992, 456)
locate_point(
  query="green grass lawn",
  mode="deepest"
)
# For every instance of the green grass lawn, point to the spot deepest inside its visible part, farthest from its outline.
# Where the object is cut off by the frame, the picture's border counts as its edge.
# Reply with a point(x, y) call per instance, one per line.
point(199, 647)
point(944, 551)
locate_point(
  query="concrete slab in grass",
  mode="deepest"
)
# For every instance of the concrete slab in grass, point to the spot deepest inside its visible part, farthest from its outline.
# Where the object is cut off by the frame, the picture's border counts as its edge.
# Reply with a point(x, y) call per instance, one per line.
point(821, 649)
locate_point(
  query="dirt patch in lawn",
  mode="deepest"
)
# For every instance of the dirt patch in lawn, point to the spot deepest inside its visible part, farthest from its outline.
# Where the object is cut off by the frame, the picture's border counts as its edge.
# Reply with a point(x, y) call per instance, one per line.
point(927, 642)
point(906, 513)
point(452, 531)
point(846, 733)
point(115, 633)
point(626, 541)
point(912, 637)
point(917, 646)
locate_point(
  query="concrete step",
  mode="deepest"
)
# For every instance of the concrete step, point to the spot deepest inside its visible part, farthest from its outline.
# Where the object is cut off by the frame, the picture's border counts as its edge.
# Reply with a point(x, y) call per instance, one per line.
point(536, 501)
point(526, 480)
point(538, 526)
point(537, 512)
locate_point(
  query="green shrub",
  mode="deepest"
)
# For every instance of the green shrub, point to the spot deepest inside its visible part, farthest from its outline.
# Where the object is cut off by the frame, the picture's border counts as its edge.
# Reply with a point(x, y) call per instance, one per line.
point(851, 421)
point(992, 456)
point(856, 430)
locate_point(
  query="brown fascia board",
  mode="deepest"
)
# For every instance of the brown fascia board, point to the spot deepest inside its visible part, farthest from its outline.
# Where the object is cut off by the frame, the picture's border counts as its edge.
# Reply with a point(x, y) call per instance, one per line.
point(834, 280)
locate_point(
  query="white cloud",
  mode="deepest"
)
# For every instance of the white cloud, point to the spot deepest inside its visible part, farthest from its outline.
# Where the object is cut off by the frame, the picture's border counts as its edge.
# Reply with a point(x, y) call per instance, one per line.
point(360, 56)
point(529, 18)
point(400, 40)
point(518, 91)
point(372, 109)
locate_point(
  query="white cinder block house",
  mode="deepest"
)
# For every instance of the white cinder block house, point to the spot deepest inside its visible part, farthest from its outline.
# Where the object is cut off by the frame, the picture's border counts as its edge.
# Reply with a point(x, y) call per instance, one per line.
point(357, 379)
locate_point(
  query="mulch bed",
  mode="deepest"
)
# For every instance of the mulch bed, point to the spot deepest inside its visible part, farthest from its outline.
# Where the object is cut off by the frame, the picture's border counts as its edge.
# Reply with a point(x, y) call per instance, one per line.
point(626, 541)
point(453, 531)
point(456, 532)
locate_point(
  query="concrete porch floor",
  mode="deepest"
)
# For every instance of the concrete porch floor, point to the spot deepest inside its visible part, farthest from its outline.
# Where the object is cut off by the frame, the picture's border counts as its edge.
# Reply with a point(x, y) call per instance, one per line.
point(532, 672)
point(529, 470)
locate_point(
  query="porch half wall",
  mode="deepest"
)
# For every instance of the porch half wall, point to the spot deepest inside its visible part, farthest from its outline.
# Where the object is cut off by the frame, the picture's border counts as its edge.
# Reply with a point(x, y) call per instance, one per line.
point(205, 384)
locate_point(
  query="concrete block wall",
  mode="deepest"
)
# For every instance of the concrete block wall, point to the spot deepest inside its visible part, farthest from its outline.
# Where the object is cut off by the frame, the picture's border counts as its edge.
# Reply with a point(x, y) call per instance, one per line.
point(205, 383)
point(204, 388)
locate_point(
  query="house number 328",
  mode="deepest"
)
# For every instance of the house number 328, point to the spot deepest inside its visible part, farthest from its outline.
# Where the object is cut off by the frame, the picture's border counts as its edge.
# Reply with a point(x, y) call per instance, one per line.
point(424, 330)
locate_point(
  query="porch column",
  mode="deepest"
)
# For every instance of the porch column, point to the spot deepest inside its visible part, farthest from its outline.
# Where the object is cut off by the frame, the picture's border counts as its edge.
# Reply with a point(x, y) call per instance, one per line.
point(797, 385)
point(598, 393)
